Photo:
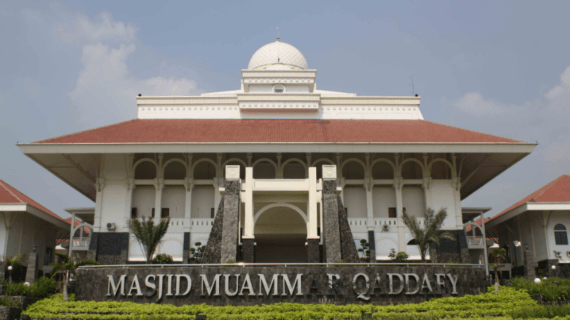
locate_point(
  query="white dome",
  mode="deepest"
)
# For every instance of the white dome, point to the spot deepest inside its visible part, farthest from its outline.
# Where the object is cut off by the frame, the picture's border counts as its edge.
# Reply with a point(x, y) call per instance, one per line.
point(278, 56)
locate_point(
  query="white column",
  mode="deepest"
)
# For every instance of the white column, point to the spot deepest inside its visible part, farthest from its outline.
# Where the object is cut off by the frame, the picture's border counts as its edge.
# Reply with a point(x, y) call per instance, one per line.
point(484, 245)
point(71, 234)
point(159, 185)
point(188, 207)
point(398, 184)
point(128, 206)
point(247, 199)
point(399, 211)
point(312, 204)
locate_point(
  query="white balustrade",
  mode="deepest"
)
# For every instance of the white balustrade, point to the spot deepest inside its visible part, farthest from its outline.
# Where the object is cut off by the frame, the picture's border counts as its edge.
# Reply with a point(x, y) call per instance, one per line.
point(475, 241)
point(202, 225)
point(385, 221)
point(357, 221)
point(80, 244)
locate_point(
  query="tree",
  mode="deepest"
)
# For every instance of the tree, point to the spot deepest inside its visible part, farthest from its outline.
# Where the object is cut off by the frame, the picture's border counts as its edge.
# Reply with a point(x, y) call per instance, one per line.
point(430, 234)
point(148, 235)
point(364, 250)
point(70, 267)
point(498, 254)
point(398, 257)
point(197, 252)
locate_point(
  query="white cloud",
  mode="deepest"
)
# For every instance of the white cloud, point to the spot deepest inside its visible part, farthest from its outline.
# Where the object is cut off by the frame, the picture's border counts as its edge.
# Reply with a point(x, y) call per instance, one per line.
point(544, 120)
point(105, 91)
point(102, 28)
point(559, 96)
point(474, 103)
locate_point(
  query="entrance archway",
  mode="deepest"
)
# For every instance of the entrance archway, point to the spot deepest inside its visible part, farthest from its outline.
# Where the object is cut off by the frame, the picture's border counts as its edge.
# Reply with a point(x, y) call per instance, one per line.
point(280, 233)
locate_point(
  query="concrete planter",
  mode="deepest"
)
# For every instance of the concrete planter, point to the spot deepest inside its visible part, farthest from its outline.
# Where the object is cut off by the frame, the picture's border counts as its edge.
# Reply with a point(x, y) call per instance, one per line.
point(10, 313)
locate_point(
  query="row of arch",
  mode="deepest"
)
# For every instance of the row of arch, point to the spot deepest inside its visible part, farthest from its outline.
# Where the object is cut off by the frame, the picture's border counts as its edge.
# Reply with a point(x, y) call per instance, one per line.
point(294, 168)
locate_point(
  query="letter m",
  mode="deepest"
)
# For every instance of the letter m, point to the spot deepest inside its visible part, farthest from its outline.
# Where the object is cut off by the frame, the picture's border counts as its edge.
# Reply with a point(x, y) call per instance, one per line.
point(116, 287)
point(287, 284)
point(209, 288)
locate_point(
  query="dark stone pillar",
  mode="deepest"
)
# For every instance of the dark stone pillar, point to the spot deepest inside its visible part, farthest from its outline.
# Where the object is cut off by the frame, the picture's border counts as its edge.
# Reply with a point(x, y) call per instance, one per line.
point(248, 250)
point(230, 225)
point(372, 245)
point(32, 267)
point(93, 243)
point(529, 265)
point(451, 250)
point(347, 245)
point(330, 218)
point(463, 248)
point(213, 249)
point(313, 251)
point(113, 248)
point(186, 248)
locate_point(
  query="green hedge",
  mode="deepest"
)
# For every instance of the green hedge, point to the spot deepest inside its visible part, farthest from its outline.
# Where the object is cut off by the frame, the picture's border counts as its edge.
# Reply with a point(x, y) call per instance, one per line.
point(547, 287)
point(41, 288)
point(487, 305)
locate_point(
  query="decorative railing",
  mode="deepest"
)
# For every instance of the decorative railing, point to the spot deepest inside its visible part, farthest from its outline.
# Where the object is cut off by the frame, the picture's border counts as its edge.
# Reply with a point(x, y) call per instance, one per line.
point(475, 241)
point(80, 243)
point(357, 221)
point(203, 222)
point(177, 222)
point(385, 221)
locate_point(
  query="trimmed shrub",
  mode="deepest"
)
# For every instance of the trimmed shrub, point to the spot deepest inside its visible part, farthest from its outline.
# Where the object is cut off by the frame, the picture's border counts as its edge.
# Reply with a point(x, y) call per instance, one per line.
point(486, 305)
point(41, 288)
point(162, 258)
point(551, 291)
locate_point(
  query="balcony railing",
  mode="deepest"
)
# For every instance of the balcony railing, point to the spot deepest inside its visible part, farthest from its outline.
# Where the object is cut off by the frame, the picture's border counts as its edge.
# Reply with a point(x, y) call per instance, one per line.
point(80, 244)
point(474, 242)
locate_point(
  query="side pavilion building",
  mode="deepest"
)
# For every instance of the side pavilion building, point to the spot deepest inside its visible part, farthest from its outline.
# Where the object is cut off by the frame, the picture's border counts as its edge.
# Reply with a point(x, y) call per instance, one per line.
point(257, 155)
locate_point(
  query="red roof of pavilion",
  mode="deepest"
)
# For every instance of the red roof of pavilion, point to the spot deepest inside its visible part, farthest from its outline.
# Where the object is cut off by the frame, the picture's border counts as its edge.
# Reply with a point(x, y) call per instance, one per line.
point(274, 131)
point(557, 190)
point(10, 195)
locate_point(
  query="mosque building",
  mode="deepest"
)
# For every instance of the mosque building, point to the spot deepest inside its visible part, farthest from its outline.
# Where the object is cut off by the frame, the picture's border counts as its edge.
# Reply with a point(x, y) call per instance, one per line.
point(300, 174)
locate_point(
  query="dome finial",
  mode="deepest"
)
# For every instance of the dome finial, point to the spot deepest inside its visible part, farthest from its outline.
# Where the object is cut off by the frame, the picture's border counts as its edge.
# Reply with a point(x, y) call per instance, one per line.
point(277, 33)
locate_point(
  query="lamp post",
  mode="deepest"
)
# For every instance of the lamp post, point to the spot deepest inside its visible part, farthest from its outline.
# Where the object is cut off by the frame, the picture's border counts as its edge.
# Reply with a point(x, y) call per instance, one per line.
point(10, 274)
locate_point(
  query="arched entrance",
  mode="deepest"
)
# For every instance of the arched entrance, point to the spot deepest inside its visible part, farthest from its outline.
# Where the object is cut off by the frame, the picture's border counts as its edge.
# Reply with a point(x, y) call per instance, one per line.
point(280, 234)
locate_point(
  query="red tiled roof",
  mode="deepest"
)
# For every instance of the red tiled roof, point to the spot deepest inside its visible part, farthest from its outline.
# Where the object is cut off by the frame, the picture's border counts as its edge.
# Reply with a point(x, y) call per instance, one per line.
point(268, 131)
point(77, 222)
point(557, 190)
point(478, 222)
point(9, 194)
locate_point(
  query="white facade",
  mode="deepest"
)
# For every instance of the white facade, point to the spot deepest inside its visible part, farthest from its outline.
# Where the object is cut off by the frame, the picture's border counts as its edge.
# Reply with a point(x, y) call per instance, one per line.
point(280, 179)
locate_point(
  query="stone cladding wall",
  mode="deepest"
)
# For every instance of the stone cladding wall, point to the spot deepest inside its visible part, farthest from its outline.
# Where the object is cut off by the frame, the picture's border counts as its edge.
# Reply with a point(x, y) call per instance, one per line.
point(213, 249)
point(347, 245)
point(314, 285)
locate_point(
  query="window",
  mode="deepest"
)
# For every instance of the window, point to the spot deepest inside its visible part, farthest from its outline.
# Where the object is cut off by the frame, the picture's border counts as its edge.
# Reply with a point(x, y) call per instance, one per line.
point(560, 235)
point(212, 213)
point(152, 213)
point(165, 213)
point(279, 89)
point(392, 212)
point(133, 213)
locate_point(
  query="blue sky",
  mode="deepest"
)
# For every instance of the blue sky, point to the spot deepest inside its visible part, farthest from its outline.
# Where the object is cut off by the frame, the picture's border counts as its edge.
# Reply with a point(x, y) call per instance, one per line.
point(499, 67)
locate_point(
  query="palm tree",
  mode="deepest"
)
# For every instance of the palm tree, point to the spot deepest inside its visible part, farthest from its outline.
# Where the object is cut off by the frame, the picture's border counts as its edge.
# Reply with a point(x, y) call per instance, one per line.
point(69, 266)
point(430, 233)
point(148, 235)
point(498, 254)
